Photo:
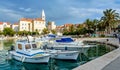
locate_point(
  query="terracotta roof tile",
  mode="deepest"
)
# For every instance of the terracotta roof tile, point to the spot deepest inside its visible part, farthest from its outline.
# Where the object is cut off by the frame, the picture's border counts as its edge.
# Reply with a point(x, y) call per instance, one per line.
point(67, 25)
point(1, 23)
point(8, 23)
point(4, 22)
point(38, 19)
point(16, 24)
point(26, 19)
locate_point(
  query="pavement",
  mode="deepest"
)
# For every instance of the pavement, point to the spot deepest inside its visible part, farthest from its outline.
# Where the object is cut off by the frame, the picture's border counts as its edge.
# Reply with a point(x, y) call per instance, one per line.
point(109, 61)
point(114, 65)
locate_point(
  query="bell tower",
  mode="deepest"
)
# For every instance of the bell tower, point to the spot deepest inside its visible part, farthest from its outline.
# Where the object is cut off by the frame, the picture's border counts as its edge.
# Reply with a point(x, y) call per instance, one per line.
point(43, 15)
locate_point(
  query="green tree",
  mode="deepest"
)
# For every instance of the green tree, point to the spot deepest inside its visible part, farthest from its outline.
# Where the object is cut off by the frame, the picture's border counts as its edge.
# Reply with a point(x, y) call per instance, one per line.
point(53, 31)
point(37, 32)
point(1, 32)
point(109, 19)
point(71, 29)
point(49, 23)
point(95, 24)
point(89, 26)
point(20, 33)
point(8, 31)
point(45, 31)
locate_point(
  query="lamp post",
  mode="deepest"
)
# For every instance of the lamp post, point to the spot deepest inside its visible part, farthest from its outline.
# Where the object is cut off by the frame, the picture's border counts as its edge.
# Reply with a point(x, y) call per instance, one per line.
point(96, 30)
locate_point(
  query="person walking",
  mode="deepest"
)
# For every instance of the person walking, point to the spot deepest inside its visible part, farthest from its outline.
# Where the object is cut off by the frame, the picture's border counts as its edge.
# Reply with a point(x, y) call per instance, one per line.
point(118, 37)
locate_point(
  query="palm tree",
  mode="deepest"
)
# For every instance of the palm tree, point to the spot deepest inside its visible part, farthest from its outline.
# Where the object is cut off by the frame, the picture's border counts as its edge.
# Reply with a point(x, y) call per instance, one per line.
point(88, 24)
point(71, 28)
point(95, 23)
point(45, 31)
point(53, 31)
point(109, 19)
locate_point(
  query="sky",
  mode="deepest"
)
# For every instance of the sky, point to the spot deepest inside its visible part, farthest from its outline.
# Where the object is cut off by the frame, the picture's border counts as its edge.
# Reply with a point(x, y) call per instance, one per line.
point(60, 11)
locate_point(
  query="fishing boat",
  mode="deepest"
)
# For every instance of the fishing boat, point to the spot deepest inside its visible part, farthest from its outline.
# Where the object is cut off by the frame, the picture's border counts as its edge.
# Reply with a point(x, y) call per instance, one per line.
point(67, 43)
point(26, 52)
point(64, 55)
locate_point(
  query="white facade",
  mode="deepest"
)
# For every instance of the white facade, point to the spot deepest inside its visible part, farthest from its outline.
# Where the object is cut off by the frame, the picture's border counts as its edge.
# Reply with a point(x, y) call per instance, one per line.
point(32, 25)
point(39, 25)
point(53, 26)
point(25, 25)
point(15, 27)
point(4, 25)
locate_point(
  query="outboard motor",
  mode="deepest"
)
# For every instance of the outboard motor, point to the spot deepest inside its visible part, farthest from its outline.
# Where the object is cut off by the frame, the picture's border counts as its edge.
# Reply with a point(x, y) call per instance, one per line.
point(12, 48)
point(9, 56)
point(45, 47)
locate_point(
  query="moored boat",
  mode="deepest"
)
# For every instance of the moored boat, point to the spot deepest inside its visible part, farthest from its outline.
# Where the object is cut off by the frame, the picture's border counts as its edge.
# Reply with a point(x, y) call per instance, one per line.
point(64, 55)
point(27, 52)
point(67, 43)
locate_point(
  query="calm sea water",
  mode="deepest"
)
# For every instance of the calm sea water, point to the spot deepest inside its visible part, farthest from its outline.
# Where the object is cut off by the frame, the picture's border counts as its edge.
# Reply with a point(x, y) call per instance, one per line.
point(53, 64)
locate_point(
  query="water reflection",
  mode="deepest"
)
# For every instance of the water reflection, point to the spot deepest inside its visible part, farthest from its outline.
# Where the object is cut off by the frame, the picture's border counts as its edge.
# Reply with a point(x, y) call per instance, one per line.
point(52, 65)
point(16, 65)
point(1, 45)
point(8, 43)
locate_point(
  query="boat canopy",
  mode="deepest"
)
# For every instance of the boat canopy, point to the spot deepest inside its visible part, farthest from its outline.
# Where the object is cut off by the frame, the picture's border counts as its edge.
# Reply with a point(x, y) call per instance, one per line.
point(65, 40)
point(52, 35)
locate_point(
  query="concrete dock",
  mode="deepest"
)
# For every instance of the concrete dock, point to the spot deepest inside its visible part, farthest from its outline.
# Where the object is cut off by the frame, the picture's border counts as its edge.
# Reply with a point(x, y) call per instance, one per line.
point(109, 61)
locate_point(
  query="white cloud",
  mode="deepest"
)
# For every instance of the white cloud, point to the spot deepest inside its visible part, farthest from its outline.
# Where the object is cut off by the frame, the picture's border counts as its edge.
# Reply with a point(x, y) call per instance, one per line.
point(83, 12)
point(11, 15)
point(25, 9)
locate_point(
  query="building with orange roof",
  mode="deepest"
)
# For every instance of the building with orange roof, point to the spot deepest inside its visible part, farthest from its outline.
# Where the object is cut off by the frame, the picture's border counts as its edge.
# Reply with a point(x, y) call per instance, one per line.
point(39, 24)
point(25, 24)
point(68, 25)
point(32, 25)
point(4, 25)
point(60, 28)
point(51, 26)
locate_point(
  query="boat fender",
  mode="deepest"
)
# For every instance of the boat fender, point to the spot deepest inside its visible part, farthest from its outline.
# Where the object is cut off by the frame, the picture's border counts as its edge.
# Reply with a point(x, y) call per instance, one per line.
point(66, 48)
point(9, 57)
point(22, 58)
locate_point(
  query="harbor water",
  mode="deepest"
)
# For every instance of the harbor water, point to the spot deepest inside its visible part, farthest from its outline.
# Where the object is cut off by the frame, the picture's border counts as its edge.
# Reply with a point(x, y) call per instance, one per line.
point(92, 53)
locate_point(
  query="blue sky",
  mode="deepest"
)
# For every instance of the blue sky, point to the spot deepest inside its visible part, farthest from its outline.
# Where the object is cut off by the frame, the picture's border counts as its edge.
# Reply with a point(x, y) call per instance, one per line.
point(60, 11)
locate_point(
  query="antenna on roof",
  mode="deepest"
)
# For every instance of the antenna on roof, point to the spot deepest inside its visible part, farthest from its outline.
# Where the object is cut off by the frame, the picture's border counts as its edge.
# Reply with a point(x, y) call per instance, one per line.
point(28, 39)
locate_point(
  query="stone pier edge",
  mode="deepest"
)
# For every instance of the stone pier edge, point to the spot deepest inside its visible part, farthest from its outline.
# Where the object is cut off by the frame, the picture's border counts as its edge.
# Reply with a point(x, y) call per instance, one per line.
point(102, 61)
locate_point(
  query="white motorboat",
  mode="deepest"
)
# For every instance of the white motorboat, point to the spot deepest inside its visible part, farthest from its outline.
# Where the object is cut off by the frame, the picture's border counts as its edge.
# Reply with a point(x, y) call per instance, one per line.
point(67, 43)
point(64, 55)
point(27, 52)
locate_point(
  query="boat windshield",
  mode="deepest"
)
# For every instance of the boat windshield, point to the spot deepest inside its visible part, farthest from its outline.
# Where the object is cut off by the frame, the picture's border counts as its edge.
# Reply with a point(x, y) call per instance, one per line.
point(34, 46)
point(27, 46)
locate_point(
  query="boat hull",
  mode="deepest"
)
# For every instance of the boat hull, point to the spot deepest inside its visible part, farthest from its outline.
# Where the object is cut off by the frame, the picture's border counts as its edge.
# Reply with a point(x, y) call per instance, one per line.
point(65, 55)
point(42, 59)
point(74, 48)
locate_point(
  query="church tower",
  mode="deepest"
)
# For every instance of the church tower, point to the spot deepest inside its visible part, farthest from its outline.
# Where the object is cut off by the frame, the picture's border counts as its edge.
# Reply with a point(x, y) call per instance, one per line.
point(43, 15)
